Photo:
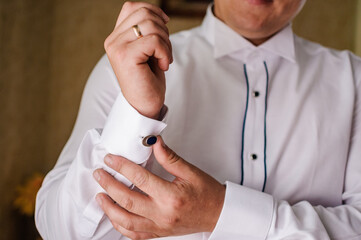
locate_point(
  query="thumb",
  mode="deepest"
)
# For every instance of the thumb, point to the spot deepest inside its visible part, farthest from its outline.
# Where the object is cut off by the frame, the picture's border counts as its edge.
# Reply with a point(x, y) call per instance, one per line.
point(170, 161)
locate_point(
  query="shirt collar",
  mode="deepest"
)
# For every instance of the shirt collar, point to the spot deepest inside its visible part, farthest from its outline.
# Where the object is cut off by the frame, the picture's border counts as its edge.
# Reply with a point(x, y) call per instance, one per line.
point(226, 41)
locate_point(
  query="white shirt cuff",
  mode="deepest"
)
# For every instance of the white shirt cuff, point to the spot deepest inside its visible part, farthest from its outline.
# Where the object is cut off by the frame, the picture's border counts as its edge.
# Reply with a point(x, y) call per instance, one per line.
point(122, 135)
point(125, 129)
point(246, 214)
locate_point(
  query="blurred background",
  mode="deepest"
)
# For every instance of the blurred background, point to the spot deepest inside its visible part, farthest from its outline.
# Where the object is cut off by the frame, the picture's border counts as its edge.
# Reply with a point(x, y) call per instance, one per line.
point(47, 50)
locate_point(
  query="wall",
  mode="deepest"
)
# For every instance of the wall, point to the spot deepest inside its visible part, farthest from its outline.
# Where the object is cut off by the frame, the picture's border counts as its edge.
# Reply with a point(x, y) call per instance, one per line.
point(78, 32)
point(331, 23)
point(358, 29)
point(25, 36)
point(47, 50)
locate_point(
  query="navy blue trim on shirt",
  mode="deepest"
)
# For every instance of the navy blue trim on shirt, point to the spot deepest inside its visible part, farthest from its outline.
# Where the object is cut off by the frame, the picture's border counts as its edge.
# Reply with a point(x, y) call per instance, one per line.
point(244, 123)
point(265, 132)
point(265, 126)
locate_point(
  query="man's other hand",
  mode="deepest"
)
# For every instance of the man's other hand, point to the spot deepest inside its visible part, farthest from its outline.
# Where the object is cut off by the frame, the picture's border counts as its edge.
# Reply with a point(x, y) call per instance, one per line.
point(191, 203)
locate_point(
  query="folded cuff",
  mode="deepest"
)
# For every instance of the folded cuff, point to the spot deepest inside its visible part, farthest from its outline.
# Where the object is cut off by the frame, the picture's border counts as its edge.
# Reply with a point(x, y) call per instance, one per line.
point(125, 129)
point(246, 214)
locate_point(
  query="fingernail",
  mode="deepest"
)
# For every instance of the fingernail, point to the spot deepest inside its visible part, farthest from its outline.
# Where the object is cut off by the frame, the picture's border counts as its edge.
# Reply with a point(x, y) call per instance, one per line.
point(108, 160)
point(99, 199)
point(96, 175)
point(166, 18)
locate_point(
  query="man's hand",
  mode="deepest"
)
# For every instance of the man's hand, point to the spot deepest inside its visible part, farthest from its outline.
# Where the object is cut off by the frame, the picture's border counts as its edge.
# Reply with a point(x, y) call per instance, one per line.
point(139, 63)
point(191, 203)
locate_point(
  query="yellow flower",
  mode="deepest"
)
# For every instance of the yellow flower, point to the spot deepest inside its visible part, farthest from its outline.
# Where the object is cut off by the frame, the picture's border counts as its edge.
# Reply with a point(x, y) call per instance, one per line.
point(26, 194)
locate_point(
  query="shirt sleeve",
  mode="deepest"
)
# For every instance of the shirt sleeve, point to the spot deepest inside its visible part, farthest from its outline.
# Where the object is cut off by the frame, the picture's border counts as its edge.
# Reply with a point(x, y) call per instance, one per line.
point(248, 214)
point(106, 123)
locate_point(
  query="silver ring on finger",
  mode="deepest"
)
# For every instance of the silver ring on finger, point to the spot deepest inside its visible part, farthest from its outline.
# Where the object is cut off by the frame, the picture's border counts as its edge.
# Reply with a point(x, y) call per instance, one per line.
point(137, 31)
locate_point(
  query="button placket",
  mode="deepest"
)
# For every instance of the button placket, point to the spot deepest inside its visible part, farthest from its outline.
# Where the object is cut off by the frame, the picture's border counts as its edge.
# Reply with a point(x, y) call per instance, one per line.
point(254, 129)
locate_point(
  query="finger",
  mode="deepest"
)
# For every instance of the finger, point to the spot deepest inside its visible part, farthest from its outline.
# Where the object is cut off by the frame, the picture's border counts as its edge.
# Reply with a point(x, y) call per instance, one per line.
point(132, 201)
point(173, 163)
point(130, 7)
point(139, 176)
point(139, 52)
point(151, 28)
point(134, 235)
point(120, 216)
point(141, 15)
point(152, 46)
point(136, 18)
point(147, 28)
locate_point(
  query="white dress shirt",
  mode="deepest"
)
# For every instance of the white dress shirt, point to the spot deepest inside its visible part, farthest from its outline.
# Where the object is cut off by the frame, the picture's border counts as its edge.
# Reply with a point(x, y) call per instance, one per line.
point(280, 124)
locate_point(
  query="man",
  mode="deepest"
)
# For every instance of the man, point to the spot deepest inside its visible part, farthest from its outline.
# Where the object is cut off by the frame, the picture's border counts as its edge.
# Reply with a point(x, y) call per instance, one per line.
point(274, 117)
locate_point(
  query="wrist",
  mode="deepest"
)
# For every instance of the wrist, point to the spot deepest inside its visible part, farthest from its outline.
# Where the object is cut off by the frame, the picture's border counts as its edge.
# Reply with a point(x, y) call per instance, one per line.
point(150, 108)
point(217, 208)
point(153, 113)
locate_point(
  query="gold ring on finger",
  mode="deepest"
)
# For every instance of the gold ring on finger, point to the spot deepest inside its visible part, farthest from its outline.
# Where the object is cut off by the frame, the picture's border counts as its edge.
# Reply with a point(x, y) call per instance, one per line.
point(137, 31)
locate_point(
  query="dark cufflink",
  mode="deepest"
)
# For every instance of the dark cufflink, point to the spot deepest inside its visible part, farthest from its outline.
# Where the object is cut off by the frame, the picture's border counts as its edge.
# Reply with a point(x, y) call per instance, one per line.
point(149, 140)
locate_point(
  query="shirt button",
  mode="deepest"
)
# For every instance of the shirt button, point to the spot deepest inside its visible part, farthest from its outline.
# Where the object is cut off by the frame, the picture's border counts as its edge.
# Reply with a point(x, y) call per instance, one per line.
point(255, 94)
point(149, 140)
point(253, 156)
